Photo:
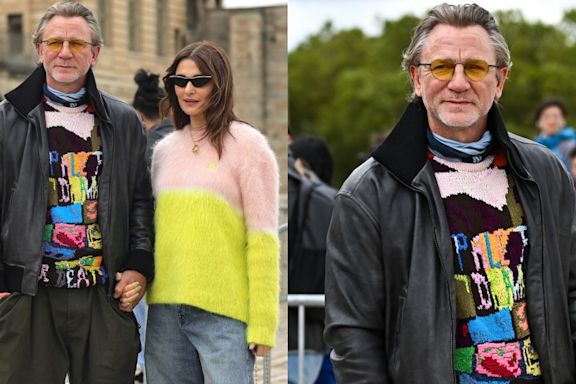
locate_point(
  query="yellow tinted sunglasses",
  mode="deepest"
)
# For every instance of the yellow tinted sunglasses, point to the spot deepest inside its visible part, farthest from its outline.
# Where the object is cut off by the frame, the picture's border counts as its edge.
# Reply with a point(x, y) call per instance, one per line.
point(55, 44)
point(443, 69)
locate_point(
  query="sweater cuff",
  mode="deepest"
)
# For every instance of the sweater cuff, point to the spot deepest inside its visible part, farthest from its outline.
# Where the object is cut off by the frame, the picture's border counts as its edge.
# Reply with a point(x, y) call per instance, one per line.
point(140, 261)
point(261, 336)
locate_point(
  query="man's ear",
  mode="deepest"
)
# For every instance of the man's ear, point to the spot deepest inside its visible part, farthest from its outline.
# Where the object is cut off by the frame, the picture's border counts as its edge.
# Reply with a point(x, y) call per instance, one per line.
point(415, 77)
point(39, 52)
point(501, 80)
point(95, 53)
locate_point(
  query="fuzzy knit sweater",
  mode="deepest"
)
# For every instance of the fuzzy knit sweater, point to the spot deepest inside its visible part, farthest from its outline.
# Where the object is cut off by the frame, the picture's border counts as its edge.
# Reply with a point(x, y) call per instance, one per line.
point(490, 236)
point(216, 219)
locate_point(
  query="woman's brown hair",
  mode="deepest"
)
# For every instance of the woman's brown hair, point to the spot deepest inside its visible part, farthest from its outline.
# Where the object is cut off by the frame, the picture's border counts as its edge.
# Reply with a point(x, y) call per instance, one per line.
point(211, 60)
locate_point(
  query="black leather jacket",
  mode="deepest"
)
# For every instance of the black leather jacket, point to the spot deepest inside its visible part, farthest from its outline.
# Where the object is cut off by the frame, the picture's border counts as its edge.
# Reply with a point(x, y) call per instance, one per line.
point(125, 203)
point(390, 289)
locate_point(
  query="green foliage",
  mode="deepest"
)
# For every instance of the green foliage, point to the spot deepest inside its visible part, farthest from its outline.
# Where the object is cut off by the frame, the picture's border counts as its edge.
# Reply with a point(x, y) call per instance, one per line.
point(346, 86)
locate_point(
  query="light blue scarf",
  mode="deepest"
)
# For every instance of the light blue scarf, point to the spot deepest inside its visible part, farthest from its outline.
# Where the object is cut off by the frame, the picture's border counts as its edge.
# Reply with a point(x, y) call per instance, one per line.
point(68, 97)
point(469, 152)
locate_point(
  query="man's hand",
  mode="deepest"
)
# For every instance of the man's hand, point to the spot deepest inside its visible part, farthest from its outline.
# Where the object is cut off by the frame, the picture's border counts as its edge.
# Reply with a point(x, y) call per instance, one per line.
point(4, 294)
point(259, 350)
point(130, 289)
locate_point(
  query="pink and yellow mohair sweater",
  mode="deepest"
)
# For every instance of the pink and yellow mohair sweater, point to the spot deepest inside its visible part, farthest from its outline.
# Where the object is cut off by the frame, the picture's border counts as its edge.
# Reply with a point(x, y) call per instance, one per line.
point(216, 220)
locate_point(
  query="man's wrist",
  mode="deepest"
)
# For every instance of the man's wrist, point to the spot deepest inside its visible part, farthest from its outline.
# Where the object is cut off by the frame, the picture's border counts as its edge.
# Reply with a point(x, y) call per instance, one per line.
point(140, 261)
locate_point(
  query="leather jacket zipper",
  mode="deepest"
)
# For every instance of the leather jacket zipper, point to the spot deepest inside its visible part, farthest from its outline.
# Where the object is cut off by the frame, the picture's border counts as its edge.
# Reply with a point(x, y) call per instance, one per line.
point(437, 246)
point(452, 312)
point(104, 219)
point(43, 154)
point(452, 342)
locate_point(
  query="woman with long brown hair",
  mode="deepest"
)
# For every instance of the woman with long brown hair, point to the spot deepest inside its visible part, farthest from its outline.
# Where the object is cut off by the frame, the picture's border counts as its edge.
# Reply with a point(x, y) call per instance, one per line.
point(214, 300)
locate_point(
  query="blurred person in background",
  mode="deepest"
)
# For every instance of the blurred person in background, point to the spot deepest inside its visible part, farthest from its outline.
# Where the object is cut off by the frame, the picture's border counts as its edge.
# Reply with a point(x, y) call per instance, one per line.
point(147, 103)
point(376, 138)
point(310, 167)
point(451, 250)
point(313, 158)
point(214, 304)
point(555, 134)
point(572, 159)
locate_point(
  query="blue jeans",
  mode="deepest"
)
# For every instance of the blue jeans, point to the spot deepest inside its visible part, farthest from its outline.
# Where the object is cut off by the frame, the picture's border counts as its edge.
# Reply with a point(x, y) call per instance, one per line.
point(141, 311)
point(326, 375)
point(186, 345)
point(312, 366)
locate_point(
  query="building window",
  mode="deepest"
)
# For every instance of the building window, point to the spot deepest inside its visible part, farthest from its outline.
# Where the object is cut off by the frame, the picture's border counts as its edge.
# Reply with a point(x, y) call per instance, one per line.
point(133, 25)
point(160, 27)
point(176, 39)
point(191, 14)
point(16, 36)
point(179, 40)
point(104, 21)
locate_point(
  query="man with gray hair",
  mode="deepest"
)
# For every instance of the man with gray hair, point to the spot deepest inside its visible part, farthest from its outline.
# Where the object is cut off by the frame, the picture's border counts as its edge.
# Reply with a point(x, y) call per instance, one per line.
point(451, 253)
point(75, 216)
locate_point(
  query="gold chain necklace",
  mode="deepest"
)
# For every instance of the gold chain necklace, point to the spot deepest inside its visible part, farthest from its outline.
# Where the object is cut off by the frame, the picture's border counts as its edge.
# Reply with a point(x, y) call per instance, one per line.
point(195, 146)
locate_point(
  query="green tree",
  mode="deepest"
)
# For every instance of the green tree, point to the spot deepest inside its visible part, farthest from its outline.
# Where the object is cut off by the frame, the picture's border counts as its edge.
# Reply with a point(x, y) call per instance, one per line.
point(346, 86)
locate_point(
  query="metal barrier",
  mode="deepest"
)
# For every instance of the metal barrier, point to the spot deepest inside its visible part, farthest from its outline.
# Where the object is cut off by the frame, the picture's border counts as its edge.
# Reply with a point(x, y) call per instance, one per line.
point(267, 369)
point(302, 302)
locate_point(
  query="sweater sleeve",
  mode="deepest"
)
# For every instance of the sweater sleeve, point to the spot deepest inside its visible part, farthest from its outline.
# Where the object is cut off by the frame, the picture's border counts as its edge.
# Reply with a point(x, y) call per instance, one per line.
point(141, 231)
point(259, 186)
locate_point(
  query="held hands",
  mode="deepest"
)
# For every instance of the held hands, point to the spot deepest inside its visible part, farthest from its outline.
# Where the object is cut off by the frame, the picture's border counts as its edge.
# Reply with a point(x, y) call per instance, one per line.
point(259, 350)
point(129, 289)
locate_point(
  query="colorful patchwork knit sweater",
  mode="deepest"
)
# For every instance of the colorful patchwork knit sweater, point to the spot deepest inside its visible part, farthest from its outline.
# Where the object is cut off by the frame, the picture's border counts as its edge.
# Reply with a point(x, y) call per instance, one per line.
point(72, 246)
point(217, 246)
point(490, 238)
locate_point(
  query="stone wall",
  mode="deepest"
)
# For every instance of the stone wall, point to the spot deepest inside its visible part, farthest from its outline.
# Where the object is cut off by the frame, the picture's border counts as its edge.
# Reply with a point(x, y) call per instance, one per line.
point(254, 38)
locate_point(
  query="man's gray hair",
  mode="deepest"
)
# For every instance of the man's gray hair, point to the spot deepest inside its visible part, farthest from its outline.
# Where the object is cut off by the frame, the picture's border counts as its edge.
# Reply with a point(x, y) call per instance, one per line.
point(463, 15)
point(69, 9)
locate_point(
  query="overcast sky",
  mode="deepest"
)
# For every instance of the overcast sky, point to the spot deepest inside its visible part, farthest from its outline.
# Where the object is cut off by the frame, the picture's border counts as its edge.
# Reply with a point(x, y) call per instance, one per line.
point(306, 17)
point(251, 3)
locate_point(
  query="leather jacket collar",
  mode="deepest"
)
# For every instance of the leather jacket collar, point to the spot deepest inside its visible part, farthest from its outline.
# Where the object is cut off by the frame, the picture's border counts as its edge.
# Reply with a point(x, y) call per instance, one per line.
point(29, 94)
point(404, 150)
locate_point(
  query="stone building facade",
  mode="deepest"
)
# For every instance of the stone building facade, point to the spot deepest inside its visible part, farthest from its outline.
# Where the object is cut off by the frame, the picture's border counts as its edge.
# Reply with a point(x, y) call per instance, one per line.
point(148, 33)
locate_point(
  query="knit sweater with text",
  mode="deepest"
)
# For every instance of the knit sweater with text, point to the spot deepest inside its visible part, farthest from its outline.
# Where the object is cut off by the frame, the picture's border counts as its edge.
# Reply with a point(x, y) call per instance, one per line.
point(490, 242)
point(216, 221)
point(72, 244)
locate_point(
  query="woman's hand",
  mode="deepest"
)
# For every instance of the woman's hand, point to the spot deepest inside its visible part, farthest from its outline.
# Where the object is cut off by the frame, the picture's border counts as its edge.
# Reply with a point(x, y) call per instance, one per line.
point(129, 289)
point(259, 350)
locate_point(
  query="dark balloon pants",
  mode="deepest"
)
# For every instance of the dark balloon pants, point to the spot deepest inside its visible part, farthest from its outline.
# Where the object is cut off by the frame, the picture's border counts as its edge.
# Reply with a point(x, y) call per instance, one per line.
point(77, 331)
